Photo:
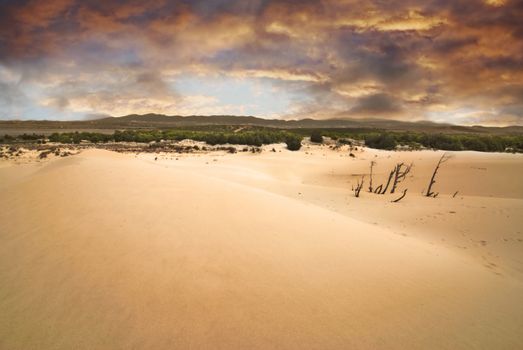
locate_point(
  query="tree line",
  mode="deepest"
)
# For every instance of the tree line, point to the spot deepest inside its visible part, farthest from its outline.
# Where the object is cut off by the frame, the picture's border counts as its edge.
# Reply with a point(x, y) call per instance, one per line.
point(390, 140)
point(249, 138)
point(258, 136)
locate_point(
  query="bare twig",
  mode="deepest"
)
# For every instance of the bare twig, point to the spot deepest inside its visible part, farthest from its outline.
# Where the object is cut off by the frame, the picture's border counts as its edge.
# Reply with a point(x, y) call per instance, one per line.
point(401, 172)
point(372, 163)
point(400, 197)
point(388, 182)
point(358, 187)
point(444, 157)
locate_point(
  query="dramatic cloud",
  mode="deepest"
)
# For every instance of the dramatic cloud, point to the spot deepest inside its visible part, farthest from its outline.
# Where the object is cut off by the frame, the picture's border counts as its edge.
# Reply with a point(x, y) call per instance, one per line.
point(455, 61)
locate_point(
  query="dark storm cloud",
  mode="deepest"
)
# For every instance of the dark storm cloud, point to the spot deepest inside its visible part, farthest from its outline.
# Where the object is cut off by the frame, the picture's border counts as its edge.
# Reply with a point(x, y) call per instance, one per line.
point(363, 58)
point(384, 57)
point(504, 62)
point(450, 45)
point(378, 104)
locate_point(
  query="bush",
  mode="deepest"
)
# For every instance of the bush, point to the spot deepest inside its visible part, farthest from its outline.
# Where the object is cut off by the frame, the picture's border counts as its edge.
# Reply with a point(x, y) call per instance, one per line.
point(475, 144)
point(257, 137)
point(380, 141)
point(293, 142)
point(316, 136)
point(442, 141)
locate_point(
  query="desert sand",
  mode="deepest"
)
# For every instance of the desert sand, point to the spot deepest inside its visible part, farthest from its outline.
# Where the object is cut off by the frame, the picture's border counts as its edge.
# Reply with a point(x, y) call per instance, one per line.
point(260, 251)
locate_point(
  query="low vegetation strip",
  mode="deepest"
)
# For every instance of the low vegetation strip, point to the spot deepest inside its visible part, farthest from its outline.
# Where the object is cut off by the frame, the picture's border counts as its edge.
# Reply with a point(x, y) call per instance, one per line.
point(248, 137)
point(390, 140)
point(258, 136)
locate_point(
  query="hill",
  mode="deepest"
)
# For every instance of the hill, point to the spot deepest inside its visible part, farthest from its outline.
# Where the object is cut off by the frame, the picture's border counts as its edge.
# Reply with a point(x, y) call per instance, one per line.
point(159, 121)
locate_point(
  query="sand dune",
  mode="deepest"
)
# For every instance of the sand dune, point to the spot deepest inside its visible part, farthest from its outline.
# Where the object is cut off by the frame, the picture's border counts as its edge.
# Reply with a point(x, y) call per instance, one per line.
point(271, 251)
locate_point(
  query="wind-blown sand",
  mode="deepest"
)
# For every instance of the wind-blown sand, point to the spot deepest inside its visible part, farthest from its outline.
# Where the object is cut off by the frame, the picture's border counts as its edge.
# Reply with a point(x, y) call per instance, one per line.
point(271, 251)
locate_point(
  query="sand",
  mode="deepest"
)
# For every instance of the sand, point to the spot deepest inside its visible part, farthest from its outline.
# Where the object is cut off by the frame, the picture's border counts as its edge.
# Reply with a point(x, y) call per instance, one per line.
point(260, 251)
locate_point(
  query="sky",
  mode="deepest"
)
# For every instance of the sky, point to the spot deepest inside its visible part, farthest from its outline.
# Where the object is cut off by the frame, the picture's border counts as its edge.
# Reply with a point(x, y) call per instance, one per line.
point(455, 61)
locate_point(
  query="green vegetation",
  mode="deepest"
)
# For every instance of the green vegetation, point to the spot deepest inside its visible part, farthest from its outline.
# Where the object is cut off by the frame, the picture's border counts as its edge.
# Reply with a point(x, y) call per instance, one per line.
point(389, 140)
point(77, 137)
point(316, 136)
point(258, 136)
point(381, 141)
point(459, 142)
point(293, 142)
point(23, 137)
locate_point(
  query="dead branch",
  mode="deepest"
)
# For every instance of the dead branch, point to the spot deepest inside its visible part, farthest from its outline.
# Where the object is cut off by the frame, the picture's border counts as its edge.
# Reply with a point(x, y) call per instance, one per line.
point(444, 157)
point(455, 194)
point(358, 187)
point(400, 197)
point(372, 163)
point(388, 182)
point(400, 173)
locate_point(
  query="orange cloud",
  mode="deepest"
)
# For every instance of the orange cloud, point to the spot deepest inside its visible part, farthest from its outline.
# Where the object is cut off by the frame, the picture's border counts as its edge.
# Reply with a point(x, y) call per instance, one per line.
point(398, 59)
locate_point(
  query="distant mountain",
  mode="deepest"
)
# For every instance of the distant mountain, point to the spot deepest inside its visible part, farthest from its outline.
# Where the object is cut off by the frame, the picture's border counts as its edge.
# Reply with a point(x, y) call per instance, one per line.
point(154, 121)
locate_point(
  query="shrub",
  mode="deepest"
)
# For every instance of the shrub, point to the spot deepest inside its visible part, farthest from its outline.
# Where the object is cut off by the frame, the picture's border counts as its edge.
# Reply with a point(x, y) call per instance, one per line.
point(316, 136)
point(215, 135)
point(293, 142)
point(381, 141)
point(475, 144)
point(442, 141)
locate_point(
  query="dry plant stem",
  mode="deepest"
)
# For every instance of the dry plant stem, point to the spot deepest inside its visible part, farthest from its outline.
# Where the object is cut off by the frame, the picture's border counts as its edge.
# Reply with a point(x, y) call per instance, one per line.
point(400, 197)
point(444, 157)
point(372, 163)
point(401, 172)
point(359, 186)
